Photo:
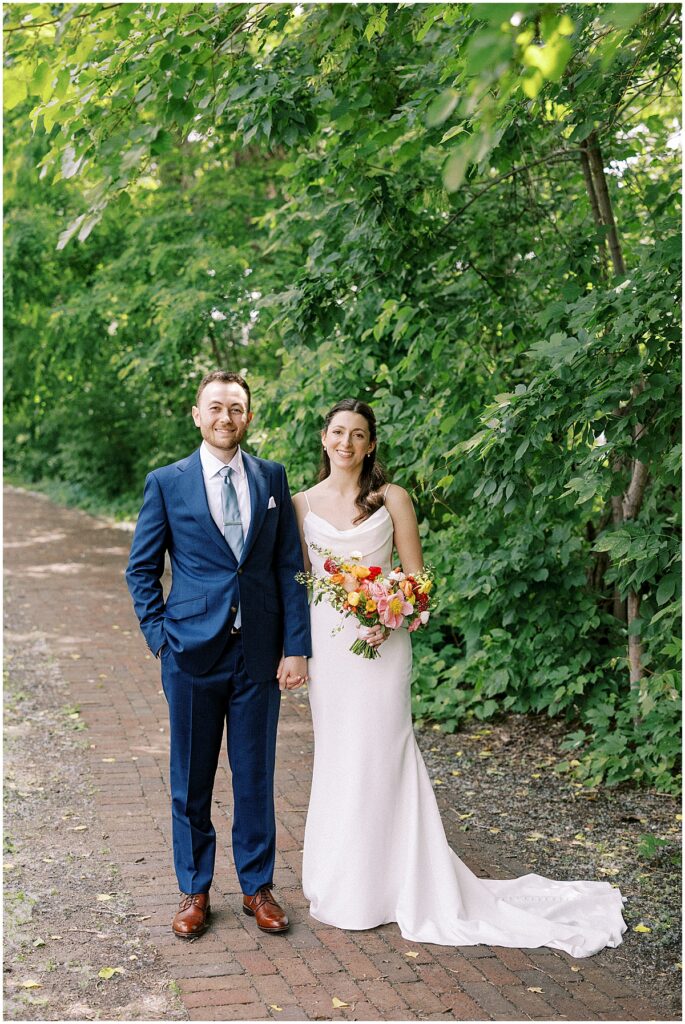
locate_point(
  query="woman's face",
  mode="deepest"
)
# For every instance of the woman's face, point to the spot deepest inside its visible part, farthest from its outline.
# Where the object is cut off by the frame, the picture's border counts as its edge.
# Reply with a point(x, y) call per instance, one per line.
point(347, 440)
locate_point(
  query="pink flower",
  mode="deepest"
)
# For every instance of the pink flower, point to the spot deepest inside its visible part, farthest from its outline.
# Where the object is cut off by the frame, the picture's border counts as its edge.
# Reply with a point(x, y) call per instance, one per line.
point(392, 609)
point(376, 590)
point(414, 624)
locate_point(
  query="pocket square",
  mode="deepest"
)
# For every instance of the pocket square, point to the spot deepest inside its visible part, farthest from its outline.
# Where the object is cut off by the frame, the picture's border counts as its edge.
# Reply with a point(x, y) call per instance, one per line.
point(272, 503)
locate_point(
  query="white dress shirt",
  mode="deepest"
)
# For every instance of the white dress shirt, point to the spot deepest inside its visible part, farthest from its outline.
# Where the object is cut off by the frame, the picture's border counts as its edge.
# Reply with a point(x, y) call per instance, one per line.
point(211, 472)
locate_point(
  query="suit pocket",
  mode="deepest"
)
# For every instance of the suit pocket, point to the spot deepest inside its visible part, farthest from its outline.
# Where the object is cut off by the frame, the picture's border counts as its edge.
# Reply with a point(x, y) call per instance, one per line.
point(185, 609)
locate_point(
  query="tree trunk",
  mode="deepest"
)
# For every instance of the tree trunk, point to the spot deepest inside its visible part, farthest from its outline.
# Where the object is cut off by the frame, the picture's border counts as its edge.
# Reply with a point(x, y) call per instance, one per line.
point(627, 506)
point(594, 206)
point(604, 202)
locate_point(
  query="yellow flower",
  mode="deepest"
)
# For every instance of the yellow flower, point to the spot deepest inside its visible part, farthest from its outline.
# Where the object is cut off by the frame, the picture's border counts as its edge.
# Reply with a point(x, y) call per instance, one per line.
point(360, 571)
point(426, 587)
point(371, 605)
point(353, 598)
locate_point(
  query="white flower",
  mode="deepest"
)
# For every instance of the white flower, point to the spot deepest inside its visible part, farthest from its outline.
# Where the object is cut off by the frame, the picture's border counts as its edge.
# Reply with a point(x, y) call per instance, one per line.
point(355, 554)
point(424, 616)
point(216, 314)
point(212, 273)
point(396, 575)
point(112, 328)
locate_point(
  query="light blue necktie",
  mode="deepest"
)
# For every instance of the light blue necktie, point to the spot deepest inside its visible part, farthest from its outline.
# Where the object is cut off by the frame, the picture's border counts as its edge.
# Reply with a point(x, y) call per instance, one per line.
point(233, 524)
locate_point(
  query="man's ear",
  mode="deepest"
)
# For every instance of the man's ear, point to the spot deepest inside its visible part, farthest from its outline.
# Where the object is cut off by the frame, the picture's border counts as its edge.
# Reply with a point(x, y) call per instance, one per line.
point(196, 415)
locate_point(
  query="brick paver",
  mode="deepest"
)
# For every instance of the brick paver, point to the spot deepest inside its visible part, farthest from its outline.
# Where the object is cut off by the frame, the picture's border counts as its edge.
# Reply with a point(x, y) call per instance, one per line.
point(65, 571)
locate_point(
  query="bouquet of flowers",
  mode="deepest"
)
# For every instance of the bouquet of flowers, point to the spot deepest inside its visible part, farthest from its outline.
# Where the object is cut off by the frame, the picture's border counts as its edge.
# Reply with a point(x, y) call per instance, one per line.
point(361, 591)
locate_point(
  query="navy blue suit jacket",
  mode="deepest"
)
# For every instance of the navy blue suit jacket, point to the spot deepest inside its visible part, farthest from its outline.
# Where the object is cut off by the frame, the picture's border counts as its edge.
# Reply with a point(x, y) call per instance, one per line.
point(208, 582)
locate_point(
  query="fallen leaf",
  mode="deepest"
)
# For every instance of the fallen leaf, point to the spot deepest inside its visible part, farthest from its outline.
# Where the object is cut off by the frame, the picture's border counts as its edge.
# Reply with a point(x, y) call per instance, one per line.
point(641, 928)
point(38, 943)
point(78, 828)
point(495, 830)
point(409, 952)
point(76, 657)
point(31, 984)
point(575, 968)
point(104, 896)
point(272, 1006)
point(438, 782)
point(109, 972)
point(109, 760)
point(534, 837)
point(456, 771)
point(533, 989)
point(338, 1003)
point(467, 815)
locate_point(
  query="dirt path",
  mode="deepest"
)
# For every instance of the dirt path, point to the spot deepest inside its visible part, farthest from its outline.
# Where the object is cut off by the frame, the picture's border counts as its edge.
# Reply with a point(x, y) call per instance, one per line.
point(88, 817)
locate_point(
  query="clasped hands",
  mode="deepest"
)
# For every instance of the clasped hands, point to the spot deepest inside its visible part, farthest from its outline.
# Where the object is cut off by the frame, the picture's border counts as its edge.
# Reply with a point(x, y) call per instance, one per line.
point(292, 672)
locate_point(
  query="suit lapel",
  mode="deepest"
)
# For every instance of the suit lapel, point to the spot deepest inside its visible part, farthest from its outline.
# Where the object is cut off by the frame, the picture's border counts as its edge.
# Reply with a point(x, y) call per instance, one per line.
point(191, 486)
point(259, 496)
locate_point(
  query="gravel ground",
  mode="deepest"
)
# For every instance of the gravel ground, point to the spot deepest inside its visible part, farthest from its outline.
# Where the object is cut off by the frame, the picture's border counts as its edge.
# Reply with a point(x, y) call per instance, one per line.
point(65, 916)
point(496, 786)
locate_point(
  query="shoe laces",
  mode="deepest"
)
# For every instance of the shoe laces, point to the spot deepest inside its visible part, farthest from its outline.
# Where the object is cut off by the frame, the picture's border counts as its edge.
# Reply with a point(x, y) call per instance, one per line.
point(262, 896)
point(190, 900)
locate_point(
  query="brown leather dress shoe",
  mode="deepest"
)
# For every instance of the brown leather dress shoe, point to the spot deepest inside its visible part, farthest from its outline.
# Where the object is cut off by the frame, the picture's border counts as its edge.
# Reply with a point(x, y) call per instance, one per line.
point(191, 918)
point(268, 914)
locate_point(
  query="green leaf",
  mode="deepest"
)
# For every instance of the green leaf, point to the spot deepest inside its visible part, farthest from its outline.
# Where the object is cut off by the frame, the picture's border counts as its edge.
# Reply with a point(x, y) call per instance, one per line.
point(441, 108)
point(42, 80)
point(522, 449)
point(15, 90)
point(454, 171)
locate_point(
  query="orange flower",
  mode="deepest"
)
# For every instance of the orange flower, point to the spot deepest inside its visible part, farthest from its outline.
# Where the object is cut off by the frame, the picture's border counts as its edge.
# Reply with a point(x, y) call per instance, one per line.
point(337, 577)
point(406, 588)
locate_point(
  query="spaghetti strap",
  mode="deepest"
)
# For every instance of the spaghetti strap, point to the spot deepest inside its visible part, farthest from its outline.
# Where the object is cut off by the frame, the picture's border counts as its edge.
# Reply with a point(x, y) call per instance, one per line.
point(307, 500)
point(386, 491)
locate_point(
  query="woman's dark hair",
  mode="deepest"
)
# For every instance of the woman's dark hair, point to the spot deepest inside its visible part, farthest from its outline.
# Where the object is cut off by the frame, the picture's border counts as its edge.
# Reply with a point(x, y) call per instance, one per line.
point(372, 475)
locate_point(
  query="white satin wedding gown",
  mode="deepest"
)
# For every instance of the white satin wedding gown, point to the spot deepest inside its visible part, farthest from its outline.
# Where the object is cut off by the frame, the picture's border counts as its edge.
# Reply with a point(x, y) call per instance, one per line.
point(375, 849)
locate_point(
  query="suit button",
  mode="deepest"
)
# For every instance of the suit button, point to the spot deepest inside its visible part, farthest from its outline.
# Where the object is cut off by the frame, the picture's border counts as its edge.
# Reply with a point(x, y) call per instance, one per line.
point(240, 572)
point(233, 608)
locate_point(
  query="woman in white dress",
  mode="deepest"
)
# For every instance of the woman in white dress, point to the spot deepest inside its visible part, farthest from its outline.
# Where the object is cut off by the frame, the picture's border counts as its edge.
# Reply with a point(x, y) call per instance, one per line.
point(375, 849)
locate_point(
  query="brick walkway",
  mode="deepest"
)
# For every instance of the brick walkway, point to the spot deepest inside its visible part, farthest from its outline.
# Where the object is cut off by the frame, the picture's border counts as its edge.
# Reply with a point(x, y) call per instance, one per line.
point(66, 572)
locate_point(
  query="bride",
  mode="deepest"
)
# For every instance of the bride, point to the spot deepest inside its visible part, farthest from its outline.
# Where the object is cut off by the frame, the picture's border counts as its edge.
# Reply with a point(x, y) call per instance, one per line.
point(375, 849)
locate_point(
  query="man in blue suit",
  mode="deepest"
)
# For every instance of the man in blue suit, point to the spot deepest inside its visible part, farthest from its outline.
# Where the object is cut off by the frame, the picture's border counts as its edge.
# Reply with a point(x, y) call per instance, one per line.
point(233, 632)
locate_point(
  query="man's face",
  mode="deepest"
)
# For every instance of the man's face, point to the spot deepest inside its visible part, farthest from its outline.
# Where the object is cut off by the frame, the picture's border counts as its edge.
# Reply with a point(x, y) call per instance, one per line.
point(222, 415)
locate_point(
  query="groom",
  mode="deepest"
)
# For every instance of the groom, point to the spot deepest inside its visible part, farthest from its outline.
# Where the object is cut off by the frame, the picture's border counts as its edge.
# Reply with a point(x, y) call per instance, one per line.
point(233, 632)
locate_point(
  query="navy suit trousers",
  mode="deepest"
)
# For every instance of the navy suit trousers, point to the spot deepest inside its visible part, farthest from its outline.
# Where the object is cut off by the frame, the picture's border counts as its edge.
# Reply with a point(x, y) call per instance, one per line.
point(198, 707)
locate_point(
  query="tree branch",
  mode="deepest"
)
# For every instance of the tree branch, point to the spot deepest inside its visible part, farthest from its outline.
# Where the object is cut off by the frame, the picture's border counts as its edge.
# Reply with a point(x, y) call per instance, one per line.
point(40, 24)
point(562, 154)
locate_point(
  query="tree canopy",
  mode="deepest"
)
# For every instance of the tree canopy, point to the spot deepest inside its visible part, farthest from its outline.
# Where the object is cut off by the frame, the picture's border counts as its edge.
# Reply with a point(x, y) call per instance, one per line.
point(467, 215)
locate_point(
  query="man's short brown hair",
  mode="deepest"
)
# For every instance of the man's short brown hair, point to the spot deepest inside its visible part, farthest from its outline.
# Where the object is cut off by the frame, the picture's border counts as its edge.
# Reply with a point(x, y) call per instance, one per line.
point(226, 377)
